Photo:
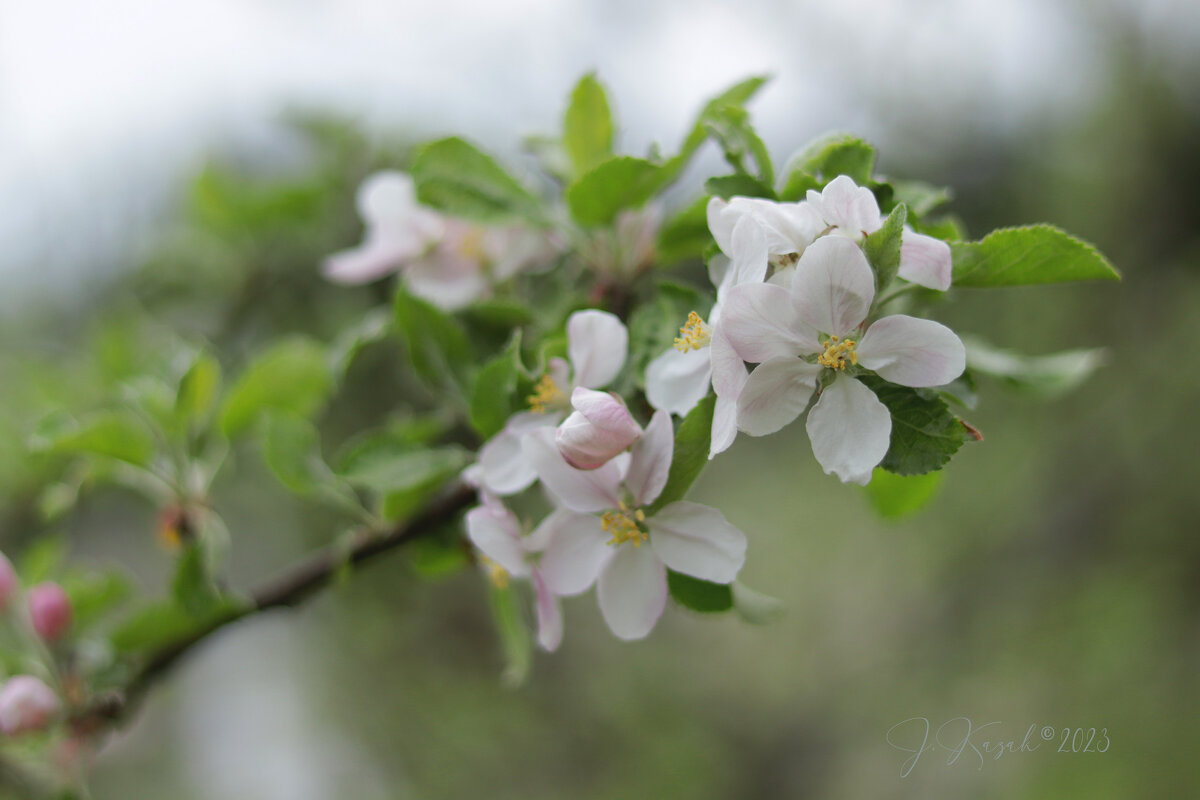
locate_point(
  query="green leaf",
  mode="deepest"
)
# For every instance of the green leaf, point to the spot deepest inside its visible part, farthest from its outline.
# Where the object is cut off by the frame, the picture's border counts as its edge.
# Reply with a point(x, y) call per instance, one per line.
point(730, 126)
point(497, 313)
point(895, 496)
point(588, 126)
point(948, 228)
point(291, 375)
point(193, 587)
point(882, 247)
point(924, 432)
point(737, 95)
point(156, 625)
point(42, 559)
point(755, 607)
point(685, 235)
point(373, 327)
point(493, 396)
point(437, 343)
point(619, 183)
point(112, 434)
point(691, 453)
point(1026, 256)
point(513, 630)
point(292, 449)
point(826, 158)
point(94, 595)
point(920, 197)
point(1047, 376)
point(384, 466)
point(455, 176)
point(703, 596)
point(727, 186)
point(198, 390)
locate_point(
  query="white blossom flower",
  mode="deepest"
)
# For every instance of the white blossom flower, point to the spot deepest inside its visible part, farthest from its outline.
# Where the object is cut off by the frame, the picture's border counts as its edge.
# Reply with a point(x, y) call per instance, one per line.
point(597, 344)
point(626, 552)
point(788, 228)
point(26, 704)
point(600, 428)
point(851, 211)
point(811, 330)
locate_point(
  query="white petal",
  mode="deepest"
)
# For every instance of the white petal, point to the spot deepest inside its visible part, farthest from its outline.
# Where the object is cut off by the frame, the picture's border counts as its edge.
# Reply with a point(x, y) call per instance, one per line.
point(850, 207)
point(651, 460)
point(724, 427)
point(698, 541)
point(721, 225)
point(729, 377)
point(549, 615)
point(597, 343)
point(719, 271)
point(578, 490)
point(760, 322)
point(912, 352)
point(386, 196)
point(833, 286)
point(599, 429)
point(504, 469)
point(497, 534)
point(850, 430)
point(365, 264)
point(450, 283)
point(676, 381)
point(749, 253)
point(925, 260)
point(777, 392)
point(632, 591)
point(577, 552)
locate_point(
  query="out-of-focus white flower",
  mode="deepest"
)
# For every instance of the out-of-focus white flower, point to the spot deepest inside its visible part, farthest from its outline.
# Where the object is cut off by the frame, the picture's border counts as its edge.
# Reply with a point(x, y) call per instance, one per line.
point(26, 704)
point(814, 326)
point(597, 344)
point(788, 228)
point(628, 248)
point(600, 428)
point(627, 551)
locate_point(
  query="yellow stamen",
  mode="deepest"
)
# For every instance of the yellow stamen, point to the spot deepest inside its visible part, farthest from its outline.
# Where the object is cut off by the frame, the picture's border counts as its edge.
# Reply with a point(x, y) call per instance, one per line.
point(693, 335)
point(545, 394)
point(624, 525)
point(470, 246)
point(496, 573)
point(837, 353)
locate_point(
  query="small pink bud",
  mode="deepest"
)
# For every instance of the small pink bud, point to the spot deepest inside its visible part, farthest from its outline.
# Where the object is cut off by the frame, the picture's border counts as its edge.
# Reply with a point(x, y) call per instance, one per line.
point(26, 704)
point(8, 583)
point(50, 610)
point(599, 429)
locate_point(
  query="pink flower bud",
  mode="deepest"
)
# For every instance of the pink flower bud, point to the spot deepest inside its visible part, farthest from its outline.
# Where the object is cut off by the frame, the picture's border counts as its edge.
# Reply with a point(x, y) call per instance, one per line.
point(8, 583)
point(600, 428)
point(50, 610)
point(26, 704)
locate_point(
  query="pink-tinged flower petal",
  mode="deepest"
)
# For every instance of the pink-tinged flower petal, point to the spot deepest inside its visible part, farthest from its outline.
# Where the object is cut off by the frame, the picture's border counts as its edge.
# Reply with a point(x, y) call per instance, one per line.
point(596, 343)
point(599, 429)
point(833, 286)
point(650, 460)
point(497, 534)
point(9, 583)
point(577, 552)
point(578, 490)
point(912, 352)
point(787, 227)
point(729, 376)
point(777, 392)
point(26, 704)
point(698, 541)
point(549, 615)
point(852, 208)
point(373, 260)
point(724, 427)
point(925, 260)
point(761, 323)
point(632, 591)
point(49, 610)
point(504, 469)
point(749, 253)
point(850, 430)
point(448, 282)
point(676, 381)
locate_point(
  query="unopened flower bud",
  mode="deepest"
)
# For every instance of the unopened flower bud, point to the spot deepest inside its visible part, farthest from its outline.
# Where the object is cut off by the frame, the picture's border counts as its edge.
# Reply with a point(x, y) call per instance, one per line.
point(49, 610)
point(8, 583)
point(599, 429)
point(26, 704)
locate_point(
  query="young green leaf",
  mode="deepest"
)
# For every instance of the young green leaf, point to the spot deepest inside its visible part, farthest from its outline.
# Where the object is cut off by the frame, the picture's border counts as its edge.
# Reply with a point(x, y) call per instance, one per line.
point(924, 433)
point(755, 607)
point(515, 638)
point(437, 343)
point(1026, 256)
point(826, 158)
point(292, 375)
point(895, 496)
point(613, 185)
point(588, 126)
point(1048, 375)
point(386, 467)
point(737, 95)
point(292, 449)
point(920, 197)
point(699, 595)
point(455, 176)
point(882, 247)
point(112, 434)
point(198, 390)
point(685, 235)
point(727, 186)
point(193, 588)
point(493, 395)
point(691, 453)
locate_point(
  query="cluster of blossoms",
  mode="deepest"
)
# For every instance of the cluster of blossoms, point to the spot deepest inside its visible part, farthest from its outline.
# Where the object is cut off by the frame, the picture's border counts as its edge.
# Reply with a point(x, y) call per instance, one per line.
point(795, 296)
point(27, 703)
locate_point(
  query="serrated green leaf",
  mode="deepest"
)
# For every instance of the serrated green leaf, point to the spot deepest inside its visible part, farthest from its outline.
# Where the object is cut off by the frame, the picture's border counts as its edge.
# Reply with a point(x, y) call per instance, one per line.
point(882, 247)
point(588, 125)
point(685, 235)
point(437, 343)
point(193, 587)
point(698, 595)
point(493, 398)
point(455, 176)
point(619, 183)
point(1025, 256)
point(895, 496)
point(727, 186)
point(112, 434)
point(690, 455)
point(829, 156)
point(925, 434)
point(291, 376)
point(1048, 375)
point(198, 390)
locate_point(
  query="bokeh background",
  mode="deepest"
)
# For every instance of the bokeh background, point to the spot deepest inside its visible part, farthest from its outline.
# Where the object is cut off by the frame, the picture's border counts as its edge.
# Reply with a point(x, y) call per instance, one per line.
point(185, 166)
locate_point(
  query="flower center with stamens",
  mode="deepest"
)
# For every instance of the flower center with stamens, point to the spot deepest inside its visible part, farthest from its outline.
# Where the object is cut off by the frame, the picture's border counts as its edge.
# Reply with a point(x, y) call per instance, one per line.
point(693, 335)
point(470, 246)
point(545, 394)
point(624, 525)
point(837, 352)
